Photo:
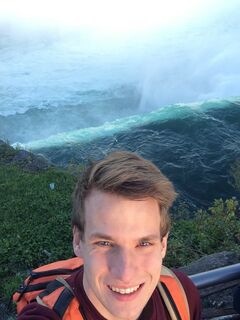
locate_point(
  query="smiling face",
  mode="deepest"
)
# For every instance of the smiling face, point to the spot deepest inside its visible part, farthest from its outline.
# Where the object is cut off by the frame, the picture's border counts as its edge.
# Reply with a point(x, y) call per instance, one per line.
point(122, 251)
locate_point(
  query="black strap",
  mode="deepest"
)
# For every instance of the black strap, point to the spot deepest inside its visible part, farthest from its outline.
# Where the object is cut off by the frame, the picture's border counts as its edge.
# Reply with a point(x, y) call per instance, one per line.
point(63, 302)
point(52, 286)
point(52, 272)
point(171, 301)
point(33, 287)
point(33, 275)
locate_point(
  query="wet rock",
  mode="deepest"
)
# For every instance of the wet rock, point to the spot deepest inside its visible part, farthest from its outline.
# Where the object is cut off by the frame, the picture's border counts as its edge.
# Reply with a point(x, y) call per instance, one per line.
point(2, 142)
point(212, 261)
point(29, 161)
point(22, 158)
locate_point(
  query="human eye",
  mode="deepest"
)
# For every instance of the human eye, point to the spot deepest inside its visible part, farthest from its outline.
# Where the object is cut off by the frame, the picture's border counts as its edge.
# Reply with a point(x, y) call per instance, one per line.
point(145, 243)
point(104, 243)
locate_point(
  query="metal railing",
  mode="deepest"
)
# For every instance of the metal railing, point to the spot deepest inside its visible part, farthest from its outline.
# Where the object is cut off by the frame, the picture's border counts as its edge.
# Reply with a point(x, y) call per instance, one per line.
point(214, 281)
point(216, 276)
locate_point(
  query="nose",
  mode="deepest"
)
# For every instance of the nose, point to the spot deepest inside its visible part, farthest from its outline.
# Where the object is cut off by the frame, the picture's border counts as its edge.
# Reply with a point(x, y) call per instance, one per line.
point(123, 265)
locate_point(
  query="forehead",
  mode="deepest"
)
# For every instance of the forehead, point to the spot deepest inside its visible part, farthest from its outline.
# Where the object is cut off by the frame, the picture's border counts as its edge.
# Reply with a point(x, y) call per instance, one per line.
point(119, 216)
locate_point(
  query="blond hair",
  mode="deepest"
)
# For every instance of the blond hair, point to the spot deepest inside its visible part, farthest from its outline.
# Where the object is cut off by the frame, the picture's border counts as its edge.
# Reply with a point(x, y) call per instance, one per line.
point(128, 175)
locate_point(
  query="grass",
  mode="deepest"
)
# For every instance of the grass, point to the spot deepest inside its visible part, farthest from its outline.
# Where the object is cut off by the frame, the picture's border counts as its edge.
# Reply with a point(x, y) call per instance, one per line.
point(35, 221)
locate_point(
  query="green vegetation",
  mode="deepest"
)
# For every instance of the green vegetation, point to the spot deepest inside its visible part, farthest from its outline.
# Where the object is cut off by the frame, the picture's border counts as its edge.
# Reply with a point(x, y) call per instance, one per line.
point(6, 153)
point(35, 226)
point(214, 230)
point(35, 223)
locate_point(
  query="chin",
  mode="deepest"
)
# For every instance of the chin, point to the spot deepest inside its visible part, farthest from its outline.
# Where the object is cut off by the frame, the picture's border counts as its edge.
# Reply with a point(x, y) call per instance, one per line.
point(127, 315)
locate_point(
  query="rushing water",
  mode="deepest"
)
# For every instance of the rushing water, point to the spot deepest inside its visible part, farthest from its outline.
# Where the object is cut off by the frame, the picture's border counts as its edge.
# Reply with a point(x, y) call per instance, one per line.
point(171, 95)
point(194, 145)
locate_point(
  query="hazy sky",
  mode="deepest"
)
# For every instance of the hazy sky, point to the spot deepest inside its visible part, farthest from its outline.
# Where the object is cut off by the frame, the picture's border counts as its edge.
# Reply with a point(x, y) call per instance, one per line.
point(106, 15)
point(175, 50)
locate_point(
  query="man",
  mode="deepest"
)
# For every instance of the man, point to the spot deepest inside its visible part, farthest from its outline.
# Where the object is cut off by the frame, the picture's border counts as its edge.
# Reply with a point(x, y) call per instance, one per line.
point(120, 230)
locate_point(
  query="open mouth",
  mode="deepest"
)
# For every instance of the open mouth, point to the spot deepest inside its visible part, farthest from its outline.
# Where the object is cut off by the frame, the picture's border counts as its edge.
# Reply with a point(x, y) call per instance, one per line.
point(125, 291)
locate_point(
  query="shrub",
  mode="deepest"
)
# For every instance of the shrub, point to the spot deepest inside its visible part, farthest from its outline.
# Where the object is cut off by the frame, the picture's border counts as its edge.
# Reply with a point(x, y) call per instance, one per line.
point(213, 230)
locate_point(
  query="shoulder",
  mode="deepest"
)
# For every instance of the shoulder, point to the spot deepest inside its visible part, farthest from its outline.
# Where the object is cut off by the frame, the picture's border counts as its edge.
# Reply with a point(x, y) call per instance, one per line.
point(185, 281)
point(192, 294)
point(34, 311)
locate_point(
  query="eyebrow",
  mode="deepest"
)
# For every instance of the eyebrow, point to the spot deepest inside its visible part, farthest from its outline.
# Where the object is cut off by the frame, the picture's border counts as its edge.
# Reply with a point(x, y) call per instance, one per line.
point(151, 237)
point(97, 235)
point(100, 236)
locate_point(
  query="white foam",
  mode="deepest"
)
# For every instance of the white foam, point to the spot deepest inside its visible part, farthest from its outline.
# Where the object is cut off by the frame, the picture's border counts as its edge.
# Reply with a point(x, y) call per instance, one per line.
point(121, 125)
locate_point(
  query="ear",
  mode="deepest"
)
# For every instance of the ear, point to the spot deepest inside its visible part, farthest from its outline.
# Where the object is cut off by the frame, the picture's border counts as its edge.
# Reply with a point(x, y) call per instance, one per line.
point(164, 245)
point(76, 242)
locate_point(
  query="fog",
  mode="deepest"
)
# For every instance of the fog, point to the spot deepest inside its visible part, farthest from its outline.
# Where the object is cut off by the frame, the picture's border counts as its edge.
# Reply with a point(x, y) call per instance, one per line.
point(181, 52)
point(104, 16)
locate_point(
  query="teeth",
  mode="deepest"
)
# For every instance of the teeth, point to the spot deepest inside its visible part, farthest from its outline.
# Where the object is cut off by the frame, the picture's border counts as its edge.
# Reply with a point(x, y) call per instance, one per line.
point(125, 291)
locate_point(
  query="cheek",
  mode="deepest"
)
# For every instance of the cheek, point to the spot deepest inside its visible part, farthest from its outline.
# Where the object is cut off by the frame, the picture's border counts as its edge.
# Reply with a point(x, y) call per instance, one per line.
point(152, 261)
point(96, 264)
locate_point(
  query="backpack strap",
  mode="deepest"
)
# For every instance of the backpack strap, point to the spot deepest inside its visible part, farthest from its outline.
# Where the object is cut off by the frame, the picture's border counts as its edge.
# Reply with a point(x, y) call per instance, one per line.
point(59, 295)
point(39, 278)
point(173, 295)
